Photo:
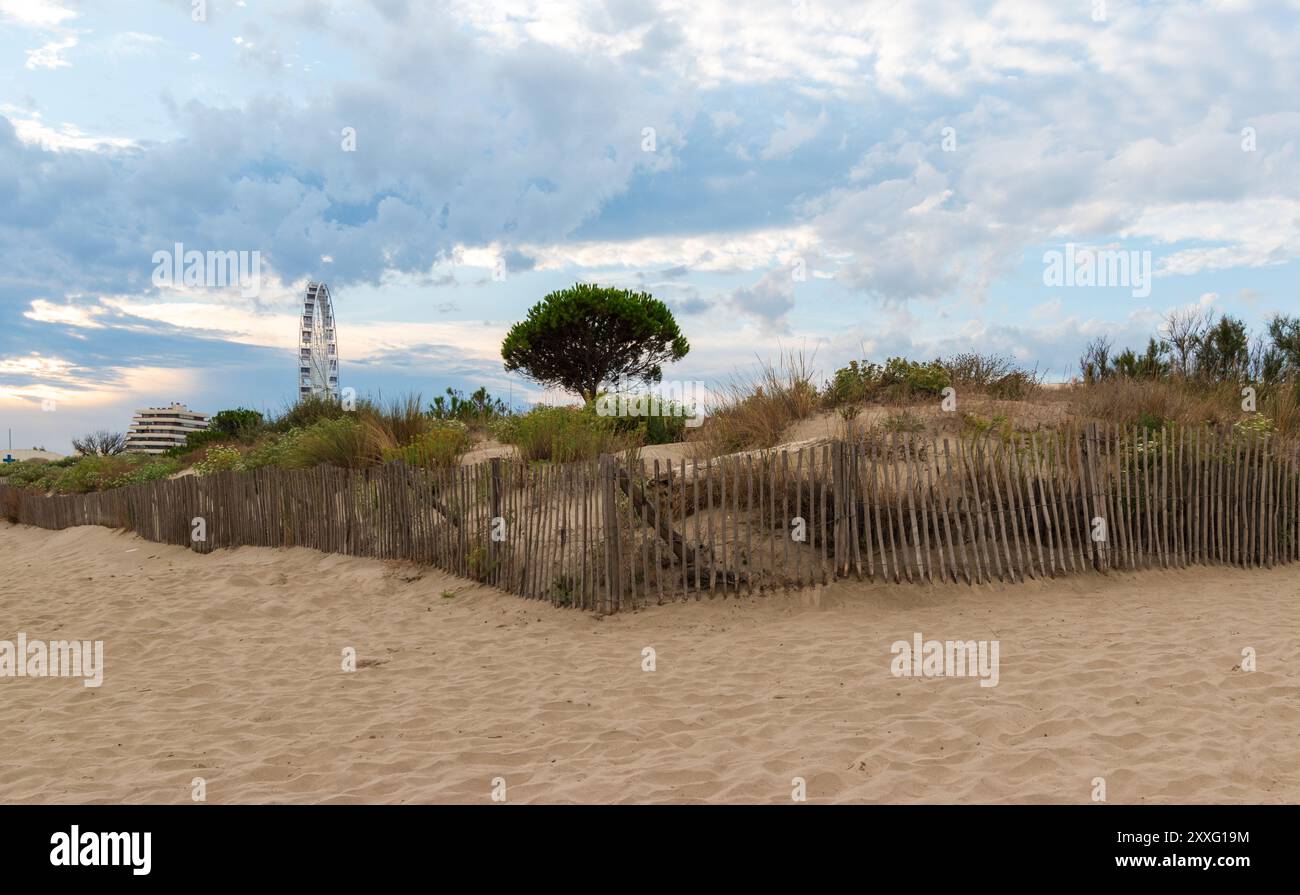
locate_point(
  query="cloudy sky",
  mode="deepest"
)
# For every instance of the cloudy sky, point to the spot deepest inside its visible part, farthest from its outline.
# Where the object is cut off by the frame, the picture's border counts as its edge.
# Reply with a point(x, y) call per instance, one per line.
point(853, 179)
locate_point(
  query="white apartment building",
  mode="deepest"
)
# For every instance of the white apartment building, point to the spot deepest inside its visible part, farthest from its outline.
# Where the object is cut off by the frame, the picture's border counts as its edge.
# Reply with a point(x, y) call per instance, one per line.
point(155, 429)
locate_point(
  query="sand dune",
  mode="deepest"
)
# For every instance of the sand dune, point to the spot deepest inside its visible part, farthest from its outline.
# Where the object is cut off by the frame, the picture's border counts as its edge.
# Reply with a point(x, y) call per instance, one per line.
point(227, 667)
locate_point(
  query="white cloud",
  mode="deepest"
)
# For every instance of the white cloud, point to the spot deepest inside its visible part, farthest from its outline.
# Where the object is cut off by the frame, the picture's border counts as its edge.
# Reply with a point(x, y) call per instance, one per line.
point(36, 364)
point(51, 54)
point(1253, 234)
point(35, 13)
point(32, 130)
point(722, 252)
point(229, 318)
point(83, 316)
point(724, 120)
point(74, 387)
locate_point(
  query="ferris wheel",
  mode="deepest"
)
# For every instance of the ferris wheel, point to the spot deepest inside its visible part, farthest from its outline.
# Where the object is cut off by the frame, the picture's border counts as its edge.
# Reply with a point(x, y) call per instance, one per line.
point(318, 358)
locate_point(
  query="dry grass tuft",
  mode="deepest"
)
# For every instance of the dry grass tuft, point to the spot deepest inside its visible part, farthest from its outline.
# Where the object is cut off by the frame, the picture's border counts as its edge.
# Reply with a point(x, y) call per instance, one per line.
point(754, 411)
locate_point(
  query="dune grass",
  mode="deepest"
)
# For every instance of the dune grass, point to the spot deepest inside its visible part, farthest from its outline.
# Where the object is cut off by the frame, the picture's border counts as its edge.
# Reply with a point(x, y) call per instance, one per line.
point(754, 410)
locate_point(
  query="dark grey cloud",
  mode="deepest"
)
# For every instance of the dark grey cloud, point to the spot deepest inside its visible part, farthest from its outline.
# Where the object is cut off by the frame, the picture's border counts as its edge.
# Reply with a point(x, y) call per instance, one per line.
point(517, 262)
point(769, 300)
point(691, 306)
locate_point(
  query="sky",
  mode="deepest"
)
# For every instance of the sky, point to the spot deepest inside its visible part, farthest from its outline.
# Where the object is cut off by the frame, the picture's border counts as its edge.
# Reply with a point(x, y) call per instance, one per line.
point(842, 179)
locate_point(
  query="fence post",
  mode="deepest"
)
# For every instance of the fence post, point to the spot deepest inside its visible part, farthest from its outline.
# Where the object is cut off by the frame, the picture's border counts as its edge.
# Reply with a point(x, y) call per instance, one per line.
point(494, 546)
point(1096, 503)
point(837, 500)
point(613, 566)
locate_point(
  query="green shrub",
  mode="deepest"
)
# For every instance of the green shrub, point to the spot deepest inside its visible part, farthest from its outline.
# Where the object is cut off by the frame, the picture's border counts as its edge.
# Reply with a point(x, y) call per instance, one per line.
point(219, 458)
point(1255, 424)
point(273, 450)
point(196, 440)
point(440, 447)
point(852, 384)
point(239, 424)
point(975, 426)
point(343, 441)
point(146, 471)
point(101, 473)
point(905, 377)
point(36, 474)
point(87, 475)
point(898, 379)
point(564, 434)
point(479, 409)
point(663, 429)
point(25, 472)
point(1151, 422)
point(318, 431)
point(666, 425)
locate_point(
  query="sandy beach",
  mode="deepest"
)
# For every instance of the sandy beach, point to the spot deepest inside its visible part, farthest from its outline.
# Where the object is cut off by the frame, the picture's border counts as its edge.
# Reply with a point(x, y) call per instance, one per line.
point(228, 667)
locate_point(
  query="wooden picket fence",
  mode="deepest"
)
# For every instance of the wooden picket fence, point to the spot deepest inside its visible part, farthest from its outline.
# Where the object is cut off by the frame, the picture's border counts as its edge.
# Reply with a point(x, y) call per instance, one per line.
point(614, 533)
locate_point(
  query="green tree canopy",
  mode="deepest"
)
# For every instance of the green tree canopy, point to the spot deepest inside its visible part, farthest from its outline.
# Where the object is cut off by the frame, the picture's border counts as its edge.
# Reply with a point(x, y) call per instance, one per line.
point(1223, 354)
point(236, 422)
point(581, 337)
point(1284, 331)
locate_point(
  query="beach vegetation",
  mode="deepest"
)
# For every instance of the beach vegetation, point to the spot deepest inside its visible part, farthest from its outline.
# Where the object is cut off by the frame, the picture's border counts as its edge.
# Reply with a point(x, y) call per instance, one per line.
point(479, 409)
point(438, 447)
point(81, 475)
point(219, 458)
point(896, 380)
point(753, 410)
point(25, 472)
point(567, 434)
point(307, 411)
